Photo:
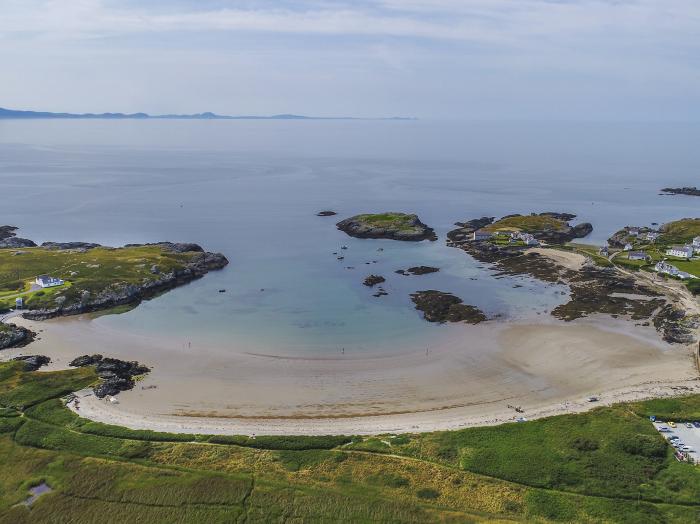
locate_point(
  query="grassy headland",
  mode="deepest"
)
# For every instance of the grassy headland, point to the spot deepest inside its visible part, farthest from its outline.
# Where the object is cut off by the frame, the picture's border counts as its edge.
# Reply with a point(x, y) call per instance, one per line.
point(605, 465)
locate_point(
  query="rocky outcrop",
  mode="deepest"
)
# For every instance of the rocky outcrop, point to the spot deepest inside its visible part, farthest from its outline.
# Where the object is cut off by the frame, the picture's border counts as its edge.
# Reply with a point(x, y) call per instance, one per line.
point(69, 245)
point(690, 191)
point(12, 336)
point(393, 226)
point(8, 238)
point(116, 375)
point(558, 233)
point(373, 280)
point(675, 325)
point(33, 362)
point(438, 306)
point(200, 264)
point(418, 270)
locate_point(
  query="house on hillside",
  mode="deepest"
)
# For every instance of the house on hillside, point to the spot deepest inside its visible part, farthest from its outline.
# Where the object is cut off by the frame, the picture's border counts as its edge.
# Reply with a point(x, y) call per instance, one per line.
point(665, 267)
point(628, 247)
point(603, 251)
point(47, 281)
point(633, 232)
point(480, 234)
point(652, 236)
point(680, 251)
point(637, 255)
point(696, 242)
point(529, 239)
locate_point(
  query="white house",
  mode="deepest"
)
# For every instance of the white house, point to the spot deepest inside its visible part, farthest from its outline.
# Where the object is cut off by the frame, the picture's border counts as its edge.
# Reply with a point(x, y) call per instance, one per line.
point(603, 251)
point(652, 236)
point(633, 232)
point(680, 251)
point(529, 239)
point(628, 247)
point(47, 281)
point(696, 242)
point(665, 267)
point(480, 234)
point(637, 255)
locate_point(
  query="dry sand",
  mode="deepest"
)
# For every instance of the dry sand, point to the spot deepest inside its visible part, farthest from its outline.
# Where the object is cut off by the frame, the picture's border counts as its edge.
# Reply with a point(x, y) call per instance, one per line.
point(473, 375)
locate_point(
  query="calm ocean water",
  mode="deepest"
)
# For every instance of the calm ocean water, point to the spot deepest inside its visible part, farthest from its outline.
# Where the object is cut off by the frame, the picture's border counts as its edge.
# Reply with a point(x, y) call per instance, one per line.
point(250, 189)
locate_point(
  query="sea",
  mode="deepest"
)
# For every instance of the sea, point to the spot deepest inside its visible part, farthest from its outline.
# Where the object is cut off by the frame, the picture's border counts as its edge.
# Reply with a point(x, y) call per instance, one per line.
point(251, 190)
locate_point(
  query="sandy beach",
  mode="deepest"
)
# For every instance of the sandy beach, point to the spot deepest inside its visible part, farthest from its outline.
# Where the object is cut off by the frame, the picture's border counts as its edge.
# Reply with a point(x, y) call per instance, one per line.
point(473, 375)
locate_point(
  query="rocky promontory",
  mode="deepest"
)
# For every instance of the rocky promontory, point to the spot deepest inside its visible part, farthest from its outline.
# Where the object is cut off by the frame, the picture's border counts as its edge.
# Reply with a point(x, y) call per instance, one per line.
point(438, 306)
point(33, 362)
point(9, 239)
point(690, 191)
point(394, 226)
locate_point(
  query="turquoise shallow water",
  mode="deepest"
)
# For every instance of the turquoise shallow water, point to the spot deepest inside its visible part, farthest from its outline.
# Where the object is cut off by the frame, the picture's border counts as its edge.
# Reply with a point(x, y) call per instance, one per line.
point(251, 190)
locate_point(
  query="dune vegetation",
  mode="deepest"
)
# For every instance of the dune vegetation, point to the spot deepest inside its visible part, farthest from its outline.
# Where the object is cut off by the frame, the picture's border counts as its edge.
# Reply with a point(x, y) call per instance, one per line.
point(605, 465)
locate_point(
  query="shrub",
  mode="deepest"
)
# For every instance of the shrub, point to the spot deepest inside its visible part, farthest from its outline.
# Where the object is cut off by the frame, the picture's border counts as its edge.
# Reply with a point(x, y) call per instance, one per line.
point(584, 444)
point(427, 493)
point(644, 445)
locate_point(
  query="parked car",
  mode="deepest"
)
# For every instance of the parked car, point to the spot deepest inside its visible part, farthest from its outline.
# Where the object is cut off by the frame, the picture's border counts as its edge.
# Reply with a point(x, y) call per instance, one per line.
point(664, 429)
point(672, 423)
point(687, 448)
point(696, 423)
point(688, 425)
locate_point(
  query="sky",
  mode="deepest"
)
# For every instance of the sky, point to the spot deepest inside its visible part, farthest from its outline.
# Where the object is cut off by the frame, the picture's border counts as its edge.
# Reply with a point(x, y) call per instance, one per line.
point(446, 59)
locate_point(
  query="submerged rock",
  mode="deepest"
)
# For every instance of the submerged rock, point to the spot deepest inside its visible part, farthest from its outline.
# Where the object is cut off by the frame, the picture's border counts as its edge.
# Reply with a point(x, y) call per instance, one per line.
point(326, 213)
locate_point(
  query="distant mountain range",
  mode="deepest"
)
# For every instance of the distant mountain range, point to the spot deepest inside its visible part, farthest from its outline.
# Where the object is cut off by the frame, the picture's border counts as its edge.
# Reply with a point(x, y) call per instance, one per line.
point(14, 113)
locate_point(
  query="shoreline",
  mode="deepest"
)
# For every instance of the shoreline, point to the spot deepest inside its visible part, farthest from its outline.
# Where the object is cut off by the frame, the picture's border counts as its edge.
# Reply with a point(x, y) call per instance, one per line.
point(474, 375)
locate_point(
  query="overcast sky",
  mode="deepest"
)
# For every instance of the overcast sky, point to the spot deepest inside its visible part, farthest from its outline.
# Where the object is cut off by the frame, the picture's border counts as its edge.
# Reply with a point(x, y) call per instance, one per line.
point(476, 59)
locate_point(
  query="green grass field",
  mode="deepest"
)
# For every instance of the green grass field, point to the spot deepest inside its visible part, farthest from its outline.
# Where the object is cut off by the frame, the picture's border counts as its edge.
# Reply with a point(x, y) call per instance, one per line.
point(527, 224)
point(90, 271)
point(608, 465)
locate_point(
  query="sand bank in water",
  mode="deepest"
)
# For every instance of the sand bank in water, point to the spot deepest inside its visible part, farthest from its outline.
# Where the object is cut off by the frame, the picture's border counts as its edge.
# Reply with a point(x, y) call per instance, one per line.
point(474, 375)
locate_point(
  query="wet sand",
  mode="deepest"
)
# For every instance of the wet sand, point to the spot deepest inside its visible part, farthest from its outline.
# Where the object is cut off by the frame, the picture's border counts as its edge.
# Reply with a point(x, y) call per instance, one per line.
point(472, 375)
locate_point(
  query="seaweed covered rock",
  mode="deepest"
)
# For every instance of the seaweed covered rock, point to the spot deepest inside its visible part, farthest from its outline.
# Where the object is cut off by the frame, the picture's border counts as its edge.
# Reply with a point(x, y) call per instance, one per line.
point(418, 270)
point(438, 306)
point(394, 226)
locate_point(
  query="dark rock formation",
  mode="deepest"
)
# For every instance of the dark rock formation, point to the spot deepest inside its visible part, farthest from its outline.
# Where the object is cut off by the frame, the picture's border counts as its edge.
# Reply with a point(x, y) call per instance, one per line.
point(438, 306)
point(394, 226)
point(326, 213)
point(117, 375)
point(691, 191)
point(373, 280)
point(69, 245)
point(33, 362)
point(418, 270)
point(12, 336)
point(198, 266)
point(85, 360)
point(675, 325)
point(8, 238)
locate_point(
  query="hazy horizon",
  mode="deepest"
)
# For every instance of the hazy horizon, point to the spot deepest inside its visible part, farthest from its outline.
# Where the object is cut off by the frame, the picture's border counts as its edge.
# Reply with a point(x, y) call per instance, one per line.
point(627, 60)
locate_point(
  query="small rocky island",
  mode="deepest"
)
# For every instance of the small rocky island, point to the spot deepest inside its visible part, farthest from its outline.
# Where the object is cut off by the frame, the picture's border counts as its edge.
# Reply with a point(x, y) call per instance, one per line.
point(326, 213)
point(690, 191)
point(373, 280)
point(393, 226)
point(438, 306)
point(417, 270)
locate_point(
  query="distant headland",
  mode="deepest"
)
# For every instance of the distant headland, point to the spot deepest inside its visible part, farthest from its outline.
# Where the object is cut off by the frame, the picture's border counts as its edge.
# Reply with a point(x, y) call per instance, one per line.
point(21, 114)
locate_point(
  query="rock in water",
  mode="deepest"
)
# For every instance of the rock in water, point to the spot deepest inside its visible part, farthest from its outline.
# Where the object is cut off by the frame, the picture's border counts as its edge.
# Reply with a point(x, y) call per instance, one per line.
point(393, 226)
point(326, 213)
point(373, 280)
point(438, 306)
